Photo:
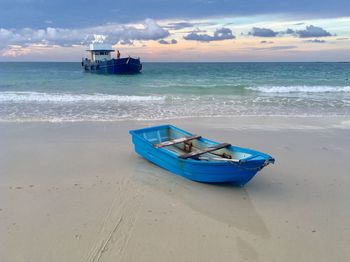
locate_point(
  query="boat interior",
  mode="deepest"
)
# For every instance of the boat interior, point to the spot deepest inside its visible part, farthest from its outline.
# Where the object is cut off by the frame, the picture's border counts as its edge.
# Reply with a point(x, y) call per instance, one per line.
point(185, 145)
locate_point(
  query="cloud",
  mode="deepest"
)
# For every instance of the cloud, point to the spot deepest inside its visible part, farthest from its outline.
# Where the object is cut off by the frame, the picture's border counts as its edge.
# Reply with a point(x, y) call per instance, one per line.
point(309, 32)
point(18, 50)
point(312, 31)
point(276, 48)
point(126, 42)
point(316, 41)
point(14, 51)
point(289, 31)
point(266, 42)
point(99, 39)
point(180, 25)
point(283, 47)
point(112, 33)
point(262, 32)
point(151, 31)
point(219, 35)
point(67, 13)
point(164, 42)
point(50, 35)
point(196, 30)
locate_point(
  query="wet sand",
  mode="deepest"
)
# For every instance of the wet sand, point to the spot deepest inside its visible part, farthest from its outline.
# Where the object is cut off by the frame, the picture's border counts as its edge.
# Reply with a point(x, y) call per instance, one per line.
point(78, 192)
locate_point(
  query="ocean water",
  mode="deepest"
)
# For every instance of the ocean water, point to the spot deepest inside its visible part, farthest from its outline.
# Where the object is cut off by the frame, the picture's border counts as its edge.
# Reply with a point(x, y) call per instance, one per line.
point(63, 92)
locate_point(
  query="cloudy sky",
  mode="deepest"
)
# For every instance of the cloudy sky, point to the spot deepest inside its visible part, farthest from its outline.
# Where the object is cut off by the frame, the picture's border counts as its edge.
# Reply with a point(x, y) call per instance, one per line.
point(177, 30)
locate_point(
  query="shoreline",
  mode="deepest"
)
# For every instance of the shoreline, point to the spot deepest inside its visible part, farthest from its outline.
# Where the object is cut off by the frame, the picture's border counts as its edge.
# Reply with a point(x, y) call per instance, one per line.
point(263, 122)
point(77, 191)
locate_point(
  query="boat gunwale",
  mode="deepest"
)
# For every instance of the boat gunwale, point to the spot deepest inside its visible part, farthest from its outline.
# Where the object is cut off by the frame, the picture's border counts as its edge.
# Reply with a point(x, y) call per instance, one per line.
point(254, 155)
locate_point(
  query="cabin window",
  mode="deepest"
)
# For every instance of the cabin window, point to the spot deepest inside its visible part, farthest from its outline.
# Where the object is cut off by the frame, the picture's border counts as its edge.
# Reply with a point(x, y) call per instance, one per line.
point(101, 53)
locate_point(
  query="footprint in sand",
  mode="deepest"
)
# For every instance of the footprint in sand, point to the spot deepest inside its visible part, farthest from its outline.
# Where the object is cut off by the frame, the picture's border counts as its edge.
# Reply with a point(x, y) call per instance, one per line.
point(77, 236)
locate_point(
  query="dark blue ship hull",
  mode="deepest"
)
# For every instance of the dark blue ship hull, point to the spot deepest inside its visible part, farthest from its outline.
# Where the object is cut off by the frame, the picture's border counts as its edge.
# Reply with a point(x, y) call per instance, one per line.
point(126, 65)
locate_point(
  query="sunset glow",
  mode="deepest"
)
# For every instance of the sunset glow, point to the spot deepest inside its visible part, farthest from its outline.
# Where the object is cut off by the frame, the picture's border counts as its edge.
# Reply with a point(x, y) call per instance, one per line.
point(279, 35)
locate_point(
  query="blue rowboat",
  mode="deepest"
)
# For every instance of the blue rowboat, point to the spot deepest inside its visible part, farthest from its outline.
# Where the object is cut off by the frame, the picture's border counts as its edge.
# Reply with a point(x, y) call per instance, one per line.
point(198, 158)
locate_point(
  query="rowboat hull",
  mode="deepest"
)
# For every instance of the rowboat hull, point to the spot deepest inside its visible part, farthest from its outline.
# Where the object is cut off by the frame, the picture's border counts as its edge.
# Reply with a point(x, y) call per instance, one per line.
point(200, 170)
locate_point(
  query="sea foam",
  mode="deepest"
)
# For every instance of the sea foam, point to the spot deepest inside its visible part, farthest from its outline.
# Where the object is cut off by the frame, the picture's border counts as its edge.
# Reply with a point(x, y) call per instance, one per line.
point(69, 98)
point(300, 89)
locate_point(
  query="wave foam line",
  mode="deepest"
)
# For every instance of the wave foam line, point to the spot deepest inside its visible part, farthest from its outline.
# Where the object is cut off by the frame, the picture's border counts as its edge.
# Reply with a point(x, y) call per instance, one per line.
point(64, 97)
point(300, 89)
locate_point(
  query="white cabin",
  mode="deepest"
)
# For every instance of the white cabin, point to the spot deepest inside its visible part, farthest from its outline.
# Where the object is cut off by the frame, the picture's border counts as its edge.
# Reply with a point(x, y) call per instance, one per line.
point(100, 52)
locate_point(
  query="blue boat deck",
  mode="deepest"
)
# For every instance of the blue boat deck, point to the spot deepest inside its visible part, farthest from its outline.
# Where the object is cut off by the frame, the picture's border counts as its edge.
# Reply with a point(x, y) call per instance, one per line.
point(168, 134)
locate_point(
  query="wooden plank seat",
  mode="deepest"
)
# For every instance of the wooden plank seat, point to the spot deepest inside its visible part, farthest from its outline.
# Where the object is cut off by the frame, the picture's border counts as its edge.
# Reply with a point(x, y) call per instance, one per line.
point(204, 151)
point(177, 141)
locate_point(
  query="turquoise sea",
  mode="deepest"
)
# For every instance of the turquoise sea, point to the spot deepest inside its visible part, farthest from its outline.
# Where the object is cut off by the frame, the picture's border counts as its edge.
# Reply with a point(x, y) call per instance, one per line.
point(63, 92)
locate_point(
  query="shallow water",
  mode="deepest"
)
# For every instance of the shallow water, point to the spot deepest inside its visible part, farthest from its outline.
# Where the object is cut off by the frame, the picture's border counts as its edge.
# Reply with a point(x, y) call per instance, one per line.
point(63, 92)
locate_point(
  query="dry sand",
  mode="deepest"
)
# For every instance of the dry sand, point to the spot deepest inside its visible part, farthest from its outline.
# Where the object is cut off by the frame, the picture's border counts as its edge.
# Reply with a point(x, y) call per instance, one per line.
point(78, 192)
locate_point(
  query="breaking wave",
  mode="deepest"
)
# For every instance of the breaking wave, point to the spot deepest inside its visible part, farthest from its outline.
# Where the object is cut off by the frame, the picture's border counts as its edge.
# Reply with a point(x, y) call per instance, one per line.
point(300, 89)
point(69, 98)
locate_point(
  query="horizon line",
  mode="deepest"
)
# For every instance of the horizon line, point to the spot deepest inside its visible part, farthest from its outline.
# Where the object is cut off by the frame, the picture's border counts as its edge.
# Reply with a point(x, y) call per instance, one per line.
point(53, 61)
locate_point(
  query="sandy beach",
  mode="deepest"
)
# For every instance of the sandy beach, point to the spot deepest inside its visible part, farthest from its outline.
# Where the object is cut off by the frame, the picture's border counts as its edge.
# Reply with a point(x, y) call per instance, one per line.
point(78, 192)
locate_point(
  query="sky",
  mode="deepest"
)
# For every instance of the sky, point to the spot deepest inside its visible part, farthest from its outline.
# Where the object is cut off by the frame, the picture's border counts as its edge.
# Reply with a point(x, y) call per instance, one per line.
point(177, 30)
